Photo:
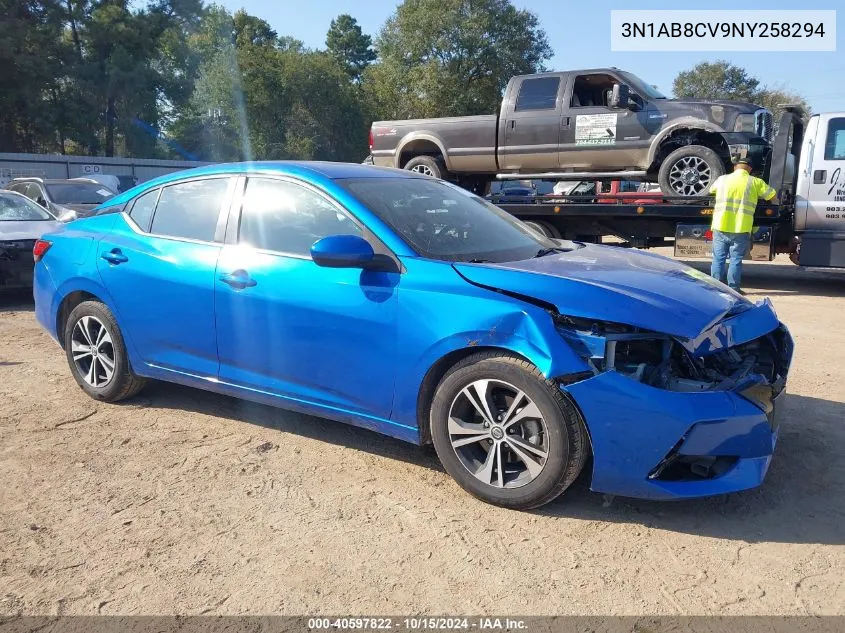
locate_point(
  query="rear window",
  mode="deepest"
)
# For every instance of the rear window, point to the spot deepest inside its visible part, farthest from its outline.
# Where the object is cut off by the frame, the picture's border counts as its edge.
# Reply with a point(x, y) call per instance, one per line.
point(190, 209)
point(538, 94)
point(79, 193)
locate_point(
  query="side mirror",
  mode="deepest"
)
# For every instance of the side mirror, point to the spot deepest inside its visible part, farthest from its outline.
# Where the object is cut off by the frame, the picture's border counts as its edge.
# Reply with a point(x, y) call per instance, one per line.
point(41, 201)
point(621, 96)
point(68, 216)
point(342, 251)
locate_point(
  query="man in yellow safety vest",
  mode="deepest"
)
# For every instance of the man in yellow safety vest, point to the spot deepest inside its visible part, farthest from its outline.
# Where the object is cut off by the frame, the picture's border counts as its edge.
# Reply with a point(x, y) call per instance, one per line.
point(733, 219)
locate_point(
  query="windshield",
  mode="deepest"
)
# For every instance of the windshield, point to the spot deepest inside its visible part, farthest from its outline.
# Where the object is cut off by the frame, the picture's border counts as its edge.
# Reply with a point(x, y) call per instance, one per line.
point(18, 208)
point(644, 89)
point(443, 221)
point(78, 193)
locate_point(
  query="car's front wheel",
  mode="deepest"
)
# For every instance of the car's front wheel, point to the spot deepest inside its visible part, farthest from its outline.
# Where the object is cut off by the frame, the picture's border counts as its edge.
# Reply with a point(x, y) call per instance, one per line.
point(505, 433)
point(96, 353)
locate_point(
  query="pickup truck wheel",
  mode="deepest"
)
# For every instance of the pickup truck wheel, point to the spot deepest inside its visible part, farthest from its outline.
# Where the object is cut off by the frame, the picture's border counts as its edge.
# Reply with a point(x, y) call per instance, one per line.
point(427, 165)
point(543, 228)
point(690, 171)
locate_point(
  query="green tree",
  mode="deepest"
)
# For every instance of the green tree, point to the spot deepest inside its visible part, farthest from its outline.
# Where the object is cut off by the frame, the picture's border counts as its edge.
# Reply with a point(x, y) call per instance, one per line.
point(452, 57)
point(774, 98)
point(33, 55)
point(260, 96)
point(722, 80)
point(349, 45)
point(716, 80)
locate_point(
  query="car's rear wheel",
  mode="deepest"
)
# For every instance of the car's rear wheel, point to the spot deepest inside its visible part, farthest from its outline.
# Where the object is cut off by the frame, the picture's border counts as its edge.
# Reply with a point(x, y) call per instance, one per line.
point(506, 434)
point(96, 353)
point(690, 171)
point(428, 166)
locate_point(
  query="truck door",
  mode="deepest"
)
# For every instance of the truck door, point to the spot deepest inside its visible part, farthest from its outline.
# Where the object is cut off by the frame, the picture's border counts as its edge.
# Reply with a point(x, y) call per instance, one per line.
point(600, 137)
point(820, 203)
point(532, 125)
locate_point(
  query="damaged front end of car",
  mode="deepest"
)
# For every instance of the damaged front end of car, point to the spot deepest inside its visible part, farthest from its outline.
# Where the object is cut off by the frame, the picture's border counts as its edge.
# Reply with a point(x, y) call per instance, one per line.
point(720, 391)
point(665, 362)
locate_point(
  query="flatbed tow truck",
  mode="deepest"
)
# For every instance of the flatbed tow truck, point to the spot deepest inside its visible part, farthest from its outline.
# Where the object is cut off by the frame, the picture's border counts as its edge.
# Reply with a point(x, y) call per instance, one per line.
point(806, 167)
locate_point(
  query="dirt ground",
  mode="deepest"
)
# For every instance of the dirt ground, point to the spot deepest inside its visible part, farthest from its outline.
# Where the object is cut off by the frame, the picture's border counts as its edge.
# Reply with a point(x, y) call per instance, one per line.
point(186, 502)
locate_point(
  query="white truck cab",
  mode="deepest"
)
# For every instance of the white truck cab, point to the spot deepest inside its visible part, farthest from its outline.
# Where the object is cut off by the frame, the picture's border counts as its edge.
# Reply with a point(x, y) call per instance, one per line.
point(820, 193)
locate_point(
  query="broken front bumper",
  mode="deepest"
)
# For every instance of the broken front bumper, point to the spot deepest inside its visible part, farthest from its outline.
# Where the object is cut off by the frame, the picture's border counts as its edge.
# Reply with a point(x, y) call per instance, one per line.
point(655, 443)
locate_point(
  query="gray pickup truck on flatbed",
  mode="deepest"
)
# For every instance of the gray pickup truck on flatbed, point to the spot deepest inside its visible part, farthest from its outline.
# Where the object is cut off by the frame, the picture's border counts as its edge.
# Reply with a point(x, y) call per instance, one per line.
point(585, 124)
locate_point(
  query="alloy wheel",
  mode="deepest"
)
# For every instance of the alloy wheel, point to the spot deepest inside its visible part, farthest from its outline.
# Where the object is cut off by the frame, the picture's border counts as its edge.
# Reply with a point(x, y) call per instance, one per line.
point(93, 351)
point(498, 434)
point(690, 176)
point(422, 169)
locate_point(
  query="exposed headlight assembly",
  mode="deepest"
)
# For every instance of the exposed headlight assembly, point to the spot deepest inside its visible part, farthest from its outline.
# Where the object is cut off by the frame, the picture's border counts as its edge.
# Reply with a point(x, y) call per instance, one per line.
point(658, 360)
point(745, 123)
point(607, 346)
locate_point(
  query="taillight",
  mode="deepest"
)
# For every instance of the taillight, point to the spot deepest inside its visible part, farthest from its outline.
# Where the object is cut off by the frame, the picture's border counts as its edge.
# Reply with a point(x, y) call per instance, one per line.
point(41, 247)
point(370, 139)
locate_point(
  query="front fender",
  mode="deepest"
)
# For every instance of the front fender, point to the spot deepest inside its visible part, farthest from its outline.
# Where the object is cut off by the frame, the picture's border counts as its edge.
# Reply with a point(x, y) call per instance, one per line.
point(443, 314)
point(683, 123)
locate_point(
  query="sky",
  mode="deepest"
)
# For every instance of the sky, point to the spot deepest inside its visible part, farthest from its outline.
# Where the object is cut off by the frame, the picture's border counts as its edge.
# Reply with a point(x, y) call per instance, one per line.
point(579, 33)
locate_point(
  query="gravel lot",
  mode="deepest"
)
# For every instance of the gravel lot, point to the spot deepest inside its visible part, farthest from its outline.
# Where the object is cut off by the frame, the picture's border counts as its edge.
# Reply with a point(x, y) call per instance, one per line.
point(185, 502)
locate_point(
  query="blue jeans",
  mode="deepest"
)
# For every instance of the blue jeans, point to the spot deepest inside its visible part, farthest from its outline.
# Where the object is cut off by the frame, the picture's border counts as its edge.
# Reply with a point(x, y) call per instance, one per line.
point(734, 245)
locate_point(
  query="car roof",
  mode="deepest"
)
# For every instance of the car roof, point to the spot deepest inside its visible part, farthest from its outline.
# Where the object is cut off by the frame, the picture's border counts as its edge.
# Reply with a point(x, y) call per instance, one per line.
point(317, 170)
point(54, 181)
point(327, 169)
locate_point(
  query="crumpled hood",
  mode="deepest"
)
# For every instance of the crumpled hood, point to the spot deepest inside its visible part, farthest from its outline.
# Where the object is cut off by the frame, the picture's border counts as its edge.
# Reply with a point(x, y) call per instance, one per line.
point(25, 229)
point(626, 286)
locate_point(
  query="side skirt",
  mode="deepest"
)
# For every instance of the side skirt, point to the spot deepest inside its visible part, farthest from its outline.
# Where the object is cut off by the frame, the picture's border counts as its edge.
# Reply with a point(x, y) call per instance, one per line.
point(403, 432)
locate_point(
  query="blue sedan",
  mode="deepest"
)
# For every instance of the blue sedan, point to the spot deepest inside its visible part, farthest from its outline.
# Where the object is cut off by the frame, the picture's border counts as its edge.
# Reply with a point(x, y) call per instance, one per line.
point(406, 305)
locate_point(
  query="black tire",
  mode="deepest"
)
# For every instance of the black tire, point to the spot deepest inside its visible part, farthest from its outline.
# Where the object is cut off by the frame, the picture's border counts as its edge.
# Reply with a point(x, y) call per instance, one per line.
point(428, 165)
point(680, 164)
point(536, 227)
point(544, 228)
point(566, 439)
point(122, 383)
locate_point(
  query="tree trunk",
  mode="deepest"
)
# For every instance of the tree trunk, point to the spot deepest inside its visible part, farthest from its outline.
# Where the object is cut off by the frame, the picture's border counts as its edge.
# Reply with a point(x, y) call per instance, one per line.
point(74, 31)
point(110, 119)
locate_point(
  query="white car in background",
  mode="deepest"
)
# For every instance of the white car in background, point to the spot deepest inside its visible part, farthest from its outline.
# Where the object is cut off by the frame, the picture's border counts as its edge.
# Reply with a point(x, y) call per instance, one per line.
point(21, 223)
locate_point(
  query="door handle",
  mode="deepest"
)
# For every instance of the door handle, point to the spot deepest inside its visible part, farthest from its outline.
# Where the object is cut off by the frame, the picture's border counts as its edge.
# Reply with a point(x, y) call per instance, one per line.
point(238, 279)
point(114, 256)
point(819, 176)
point(513, 123)
point(564, 122)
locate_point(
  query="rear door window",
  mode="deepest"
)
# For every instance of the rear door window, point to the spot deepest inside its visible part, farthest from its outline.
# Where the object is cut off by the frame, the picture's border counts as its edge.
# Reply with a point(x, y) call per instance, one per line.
point(190, 209)
point(142, 210)
point(538, 94)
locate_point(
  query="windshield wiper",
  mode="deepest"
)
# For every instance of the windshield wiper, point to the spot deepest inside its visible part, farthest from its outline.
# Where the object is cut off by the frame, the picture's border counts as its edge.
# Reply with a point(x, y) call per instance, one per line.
point(548, 251)
point(478, 261)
